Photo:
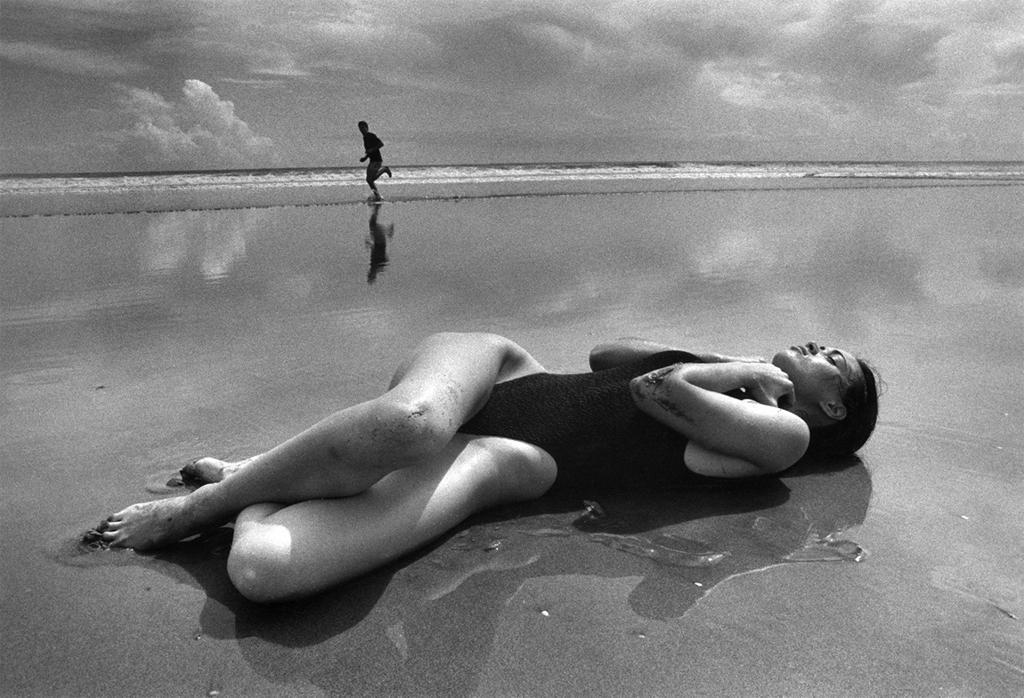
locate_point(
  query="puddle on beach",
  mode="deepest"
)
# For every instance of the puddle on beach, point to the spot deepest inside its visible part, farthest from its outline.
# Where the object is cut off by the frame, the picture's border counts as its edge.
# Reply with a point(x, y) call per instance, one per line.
point(518, 546)
point(663, 548)
point(829, 548)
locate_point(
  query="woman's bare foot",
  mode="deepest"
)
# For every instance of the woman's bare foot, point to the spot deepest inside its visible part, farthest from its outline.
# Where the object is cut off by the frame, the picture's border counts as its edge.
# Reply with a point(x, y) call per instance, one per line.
point(146, 525)
point(204, 471)
point(163, 521)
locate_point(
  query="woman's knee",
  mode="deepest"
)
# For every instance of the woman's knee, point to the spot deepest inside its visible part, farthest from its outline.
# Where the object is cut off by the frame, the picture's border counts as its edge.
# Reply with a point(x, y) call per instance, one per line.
point(410, 428)
point(266, 565)
point(259, 564)
point(513, 470)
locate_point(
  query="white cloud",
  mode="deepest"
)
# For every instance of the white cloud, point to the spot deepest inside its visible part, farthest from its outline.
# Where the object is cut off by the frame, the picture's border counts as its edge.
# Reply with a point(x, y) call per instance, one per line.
point(199, 131)
point(67, 60)
point(851, 45)
point(1008, 57)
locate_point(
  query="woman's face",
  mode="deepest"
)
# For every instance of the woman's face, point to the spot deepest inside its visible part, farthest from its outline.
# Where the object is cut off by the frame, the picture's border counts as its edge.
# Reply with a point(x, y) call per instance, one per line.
point(820, 375)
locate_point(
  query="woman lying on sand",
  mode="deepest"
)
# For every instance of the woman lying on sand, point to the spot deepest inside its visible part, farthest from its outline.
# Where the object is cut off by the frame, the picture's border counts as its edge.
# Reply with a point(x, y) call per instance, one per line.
point(471, 421)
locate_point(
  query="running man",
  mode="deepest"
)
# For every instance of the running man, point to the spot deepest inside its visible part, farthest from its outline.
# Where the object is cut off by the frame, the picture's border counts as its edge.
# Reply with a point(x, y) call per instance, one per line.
point(375, 167)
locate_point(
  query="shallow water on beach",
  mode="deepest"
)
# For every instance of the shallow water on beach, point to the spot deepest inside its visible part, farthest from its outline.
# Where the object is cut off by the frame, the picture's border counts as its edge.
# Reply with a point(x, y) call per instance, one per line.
point(133, 342)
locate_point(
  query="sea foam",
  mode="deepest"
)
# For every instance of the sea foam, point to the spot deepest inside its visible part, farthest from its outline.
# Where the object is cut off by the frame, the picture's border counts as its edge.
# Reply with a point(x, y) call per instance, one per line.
point(61, 194)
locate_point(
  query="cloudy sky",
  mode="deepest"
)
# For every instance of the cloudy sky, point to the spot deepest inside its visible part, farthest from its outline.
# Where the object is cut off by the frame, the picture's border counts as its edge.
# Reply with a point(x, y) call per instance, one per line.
point(99, 85)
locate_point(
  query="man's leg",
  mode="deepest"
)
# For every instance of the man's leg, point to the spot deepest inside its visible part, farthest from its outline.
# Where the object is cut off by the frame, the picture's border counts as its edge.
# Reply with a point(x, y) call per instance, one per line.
point(371, 177)
point(373, 172)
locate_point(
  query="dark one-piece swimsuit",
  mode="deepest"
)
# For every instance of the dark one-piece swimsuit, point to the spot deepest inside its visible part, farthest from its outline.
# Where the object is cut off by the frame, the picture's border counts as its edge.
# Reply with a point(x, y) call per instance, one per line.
point(590, 425)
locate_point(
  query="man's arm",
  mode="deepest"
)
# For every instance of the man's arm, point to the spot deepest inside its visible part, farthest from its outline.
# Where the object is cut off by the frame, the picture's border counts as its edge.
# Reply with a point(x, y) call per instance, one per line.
point(370, 144)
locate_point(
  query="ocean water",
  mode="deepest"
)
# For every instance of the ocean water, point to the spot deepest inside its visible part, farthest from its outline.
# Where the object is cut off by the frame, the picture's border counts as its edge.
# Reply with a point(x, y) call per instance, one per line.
point(134, 340)
point(112, 193)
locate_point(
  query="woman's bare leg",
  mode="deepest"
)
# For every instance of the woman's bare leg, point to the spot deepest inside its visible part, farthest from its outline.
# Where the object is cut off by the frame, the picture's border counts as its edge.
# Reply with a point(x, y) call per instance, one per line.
point(447, 379)
point(283, 552)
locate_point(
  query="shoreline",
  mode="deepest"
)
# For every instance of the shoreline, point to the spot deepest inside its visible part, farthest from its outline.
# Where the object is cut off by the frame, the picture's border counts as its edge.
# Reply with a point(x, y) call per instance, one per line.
point(213, 198)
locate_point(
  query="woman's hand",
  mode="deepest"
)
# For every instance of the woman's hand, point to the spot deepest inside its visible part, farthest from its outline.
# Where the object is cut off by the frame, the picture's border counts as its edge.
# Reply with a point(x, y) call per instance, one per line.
point(762, 382)
point(766, 383)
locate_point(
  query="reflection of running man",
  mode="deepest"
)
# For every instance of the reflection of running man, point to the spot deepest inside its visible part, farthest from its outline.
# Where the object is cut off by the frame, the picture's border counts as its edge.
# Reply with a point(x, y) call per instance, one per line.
point(375, 168)
point(378, 244)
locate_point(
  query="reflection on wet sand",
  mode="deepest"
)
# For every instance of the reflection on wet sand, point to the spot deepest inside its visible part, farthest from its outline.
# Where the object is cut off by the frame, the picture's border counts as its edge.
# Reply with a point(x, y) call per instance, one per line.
point(215, 244)
point(672, 547)
point(377, 241)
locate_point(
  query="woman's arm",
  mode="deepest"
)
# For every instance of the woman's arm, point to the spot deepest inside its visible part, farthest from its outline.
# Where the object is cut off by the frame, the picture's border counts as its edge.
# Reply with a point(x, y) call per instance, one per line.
point(730, 437)
point(622, 351)
point(627, 349)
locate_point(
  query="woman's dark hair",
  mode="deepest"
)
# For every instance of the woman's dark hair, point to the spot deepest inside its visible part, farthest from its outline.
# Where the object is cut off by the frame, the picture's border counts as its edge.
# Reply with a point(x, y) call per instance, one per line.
point(844, 437)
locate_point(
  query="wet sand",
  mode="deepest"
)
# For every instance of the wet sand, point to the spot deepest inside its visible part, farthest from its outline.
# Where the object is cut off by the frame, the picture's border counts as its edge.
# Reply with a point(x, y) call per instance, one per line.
point(132, 343)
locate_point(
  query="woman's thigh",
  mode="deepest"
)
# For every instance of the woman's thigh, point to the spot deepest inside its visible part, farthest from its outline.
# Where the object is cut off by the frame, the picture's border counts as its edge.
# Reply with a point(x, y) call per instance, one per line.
point(283, 552)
